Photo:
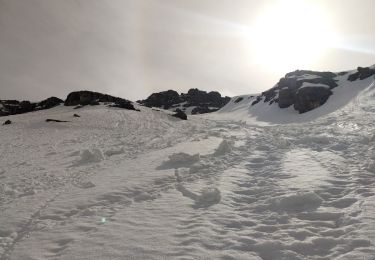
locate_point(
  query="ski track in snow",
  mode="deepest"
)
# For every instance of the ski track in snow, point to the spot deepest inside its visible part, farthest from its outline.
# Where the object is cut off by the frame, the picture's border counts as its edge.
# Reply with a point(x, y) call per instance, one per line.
point(118, 184)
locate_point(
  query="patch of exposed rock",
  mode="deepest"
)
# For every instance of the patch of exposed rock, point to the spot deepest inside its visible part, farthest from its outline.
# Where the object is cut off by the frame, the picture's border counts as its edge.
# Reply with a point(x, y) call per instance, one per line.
point(83, 98)
point(14, 107)
point(361, 74)
point(180, 114)
point(8, 122)
point(201, 101)
point(305, 90)
point(89, 98)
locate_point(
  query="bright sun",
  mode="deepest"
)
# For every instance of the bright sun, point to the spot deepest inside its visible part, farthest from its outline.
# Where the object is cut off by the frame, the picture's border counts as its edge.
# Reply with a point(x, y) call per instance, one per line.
point(291, 34)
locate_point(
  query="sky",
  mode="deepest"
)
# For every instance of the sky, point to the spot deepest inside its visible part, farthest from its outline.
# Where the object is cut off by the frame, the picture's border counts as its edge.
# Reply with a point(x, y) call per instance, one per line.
point(132, 48)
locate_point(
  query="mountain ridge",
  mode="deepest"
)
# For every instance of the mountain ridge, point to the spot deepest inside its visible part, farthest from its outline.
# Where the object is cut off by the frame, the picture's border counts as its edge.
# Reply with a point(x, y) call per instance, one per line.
point(304, 90)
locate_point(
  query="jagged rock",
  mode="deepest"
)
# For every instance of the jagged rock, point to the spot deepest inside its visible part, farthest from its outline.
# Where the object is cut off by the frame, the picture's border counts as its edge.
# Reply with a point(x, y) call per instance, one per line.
point(322, 74)
point(8, 122)
point(49, 103)
point(89, 97)
point(309, 98)
point(295, 88)
point(286, 97)
point(94, 103)
point(362, 73)
point(258, 99)
point(238, 100)
point(180, 114)
point(4, 113)
point(55, 120)
point(164, 99)
point(196, 97)
point(78, 99)
point(14, 107)
point(26, 106)
point(203, 110)
point(125, 104)
point(342, 73)
point(203, 101)
point(11, 102)
point(295, 80)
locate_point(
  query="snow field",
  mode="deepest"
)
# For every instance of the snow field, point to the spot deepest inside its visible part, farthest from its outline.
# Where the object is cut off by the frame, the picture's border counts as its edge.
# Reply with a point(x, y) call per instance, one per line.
point(118, 184)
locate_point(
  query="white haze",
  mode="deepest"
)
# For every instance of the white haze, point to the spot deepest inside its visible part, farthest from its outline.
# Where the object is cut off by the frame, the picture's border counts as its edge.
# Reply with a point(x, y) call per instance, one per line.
point(134, 48)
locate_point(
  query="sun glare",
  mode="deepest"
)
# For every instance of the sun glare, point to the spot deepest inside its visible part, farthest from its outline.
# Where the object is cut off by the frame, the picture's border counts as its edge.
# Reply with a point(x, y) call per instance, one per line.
point(291, 34)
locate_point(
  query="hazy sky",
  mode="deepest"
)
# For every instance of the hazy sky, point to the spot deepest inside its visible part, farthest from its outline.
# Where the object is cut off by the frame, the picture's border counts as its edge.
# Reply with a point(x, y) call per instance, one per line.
point(132, 48)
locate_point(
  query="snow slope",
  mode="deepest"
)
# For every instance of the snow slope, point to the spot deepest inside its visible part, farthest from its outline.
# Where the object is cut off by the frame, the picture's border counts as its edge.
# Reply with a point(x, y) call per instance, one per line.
point(272, 114)
point(120, 184)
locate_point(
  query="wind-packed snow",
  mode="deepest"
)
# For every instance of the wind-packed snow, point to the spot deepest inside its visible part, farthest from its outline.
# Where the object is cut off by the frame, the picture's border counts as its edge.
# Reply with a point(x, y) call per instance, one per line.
point(121, 184)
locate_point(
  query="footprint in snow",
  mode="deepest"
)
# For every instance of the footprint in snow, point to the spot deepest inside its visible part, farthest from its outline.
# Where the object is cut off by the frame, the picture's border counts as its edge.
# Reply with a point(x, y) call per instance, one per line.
point(207, 197)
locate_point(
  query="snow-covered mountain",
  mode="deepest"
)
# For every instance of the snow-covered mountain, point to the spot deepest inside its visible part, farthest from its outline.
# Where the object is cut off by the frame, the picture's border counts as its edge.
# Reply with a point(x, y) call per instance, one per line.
point(301, 95)
point(112, 183)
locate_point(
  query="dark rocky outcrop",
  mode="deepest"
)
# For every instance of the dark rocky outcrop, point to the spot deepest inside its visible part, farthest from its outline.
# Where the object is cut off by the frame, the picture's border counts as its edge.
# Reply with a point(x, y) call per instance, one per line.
point(8, 122)
point(83, 98)
point(257, 100)
point(203, 110)
point(14, 107)
point(286, 97)
point(309, 98)
point(56, 120)
point(362, 73)
point(76, 115)
point(124, 104)
point(89, 98)
point(204, 102)
point(49, 103)
point(322, 74)
point(196, 97)
point(304, 89)
point(77, 99)
point(94, 103)
point(165, 99)
point(238, 100)
point(180, 114)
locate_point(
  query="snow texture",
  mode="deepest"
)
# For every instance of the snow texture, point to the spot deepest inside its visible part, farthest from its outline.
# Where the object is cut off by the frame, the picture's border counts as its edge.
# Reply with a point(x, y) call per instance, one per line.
point(238, 184)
